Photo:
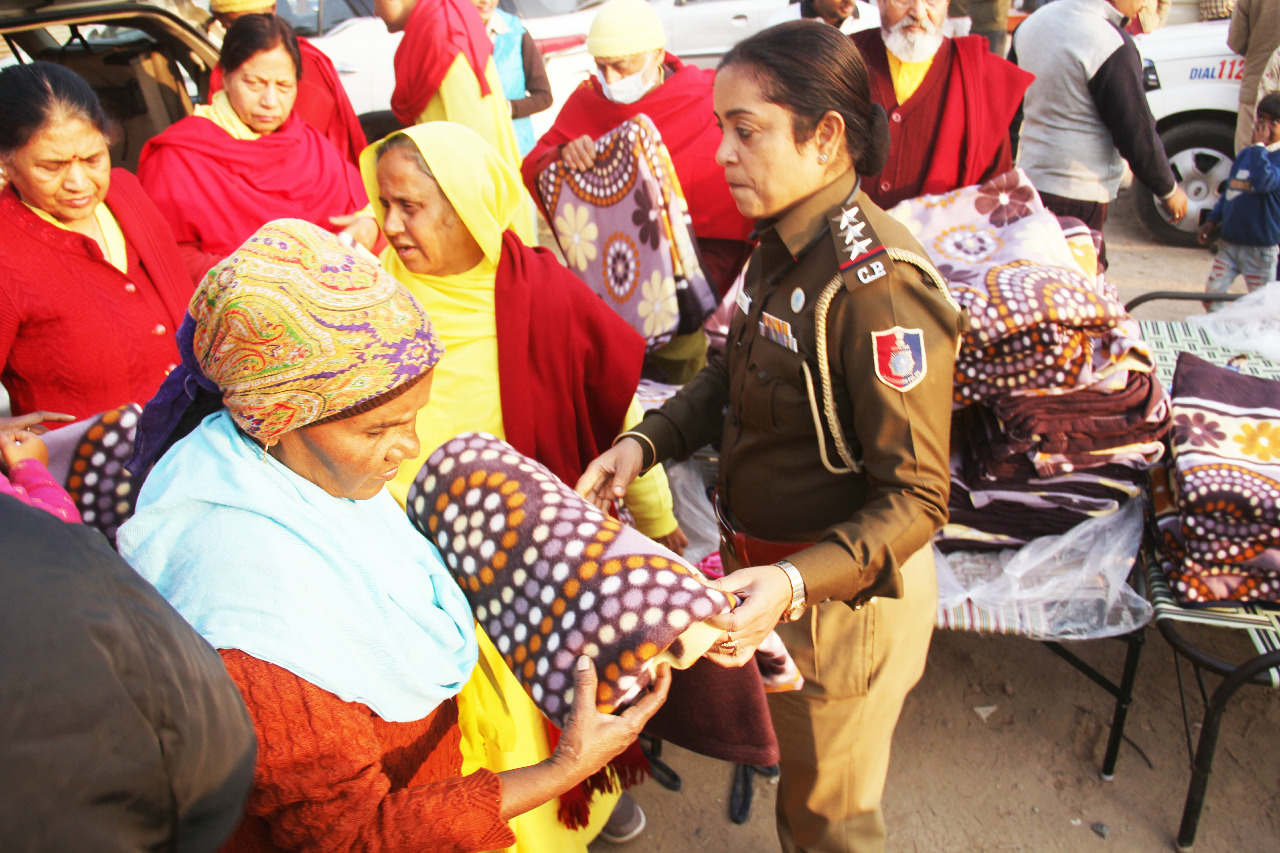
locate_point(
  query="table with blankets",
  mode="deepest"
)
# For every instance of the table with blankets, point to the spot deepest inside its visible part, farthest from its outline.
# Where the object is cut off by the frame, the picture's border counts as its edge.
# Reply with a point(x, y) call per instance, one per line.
point(1063, 420)
point(1058, 415)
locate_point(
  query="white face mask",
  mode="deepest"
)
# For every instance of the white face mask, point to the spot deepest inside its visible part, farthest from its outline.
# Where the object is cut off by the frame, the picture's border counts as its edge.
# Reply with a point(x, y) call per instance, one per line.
point(629, 89)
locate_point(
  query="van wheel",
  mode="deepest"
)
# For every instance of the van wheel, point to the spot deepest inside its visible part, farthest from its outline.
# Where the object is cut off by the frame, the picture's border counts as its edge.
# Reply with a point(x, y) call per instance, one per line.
point(379, 124)
point(1200, 153)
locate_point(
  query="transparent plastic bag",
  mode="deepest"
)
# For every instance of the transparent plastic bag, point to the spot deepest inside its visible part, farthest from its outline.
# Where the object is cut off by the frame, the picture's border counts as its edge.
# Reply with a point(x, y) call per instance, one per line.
point(1251, 323)
point(1068, 587)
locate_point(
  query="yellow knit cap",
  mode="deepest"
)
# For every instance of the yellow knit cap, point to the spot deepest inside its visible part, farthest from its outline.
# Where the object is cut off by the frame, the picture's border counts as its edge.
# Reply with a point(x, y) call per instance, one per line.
point(222, 7)
point(624, 28)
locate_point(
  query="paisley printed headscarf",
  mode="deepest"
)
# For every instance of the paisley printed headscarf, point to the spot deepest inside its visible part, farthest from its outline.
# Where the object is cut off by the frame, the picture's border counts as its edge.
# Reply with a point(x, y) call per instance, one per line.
point(291, 329)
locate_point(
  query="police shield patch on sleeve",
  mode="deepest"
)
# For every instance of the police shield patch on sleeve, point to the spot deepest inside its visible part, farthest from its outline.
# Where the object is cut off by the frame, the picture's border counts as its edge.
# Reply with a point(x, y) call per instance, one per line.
point(899, 357)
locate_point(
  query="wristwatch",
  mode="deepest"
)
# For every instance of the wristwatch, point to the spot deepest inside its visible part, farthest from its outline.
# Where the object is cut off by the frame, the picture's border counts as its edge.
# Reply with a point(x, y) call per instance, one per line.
point(796, 608)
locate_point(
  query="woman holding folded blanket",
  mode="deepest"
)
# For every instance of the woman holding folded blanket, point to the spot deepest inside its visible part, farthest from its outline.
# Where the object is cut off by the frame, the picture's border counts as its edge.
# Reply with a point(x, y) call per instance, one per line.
point(269, 528)
point(828, 507)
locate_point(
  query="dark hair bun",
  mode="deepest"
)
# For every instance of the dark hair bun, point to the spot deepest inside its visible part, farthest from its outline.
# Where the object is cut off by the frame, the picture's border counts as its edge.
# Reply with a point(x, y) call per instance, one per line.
point(875, 151)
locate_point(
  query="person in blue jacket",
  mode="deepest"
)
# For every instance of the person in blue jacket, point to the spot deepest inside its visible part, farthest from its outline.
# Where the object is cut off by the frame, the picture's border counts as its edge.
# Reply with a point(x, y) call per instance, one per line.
point(1248, 213)
point(520, 67)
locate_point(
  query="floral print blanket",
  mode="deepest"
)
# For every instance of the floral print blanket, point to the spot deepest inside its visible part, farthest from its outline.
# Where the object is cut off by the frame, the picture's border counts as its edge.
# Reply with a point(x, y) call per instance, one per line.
point(1225, 482)
point(1041, 318)
point(623, 227)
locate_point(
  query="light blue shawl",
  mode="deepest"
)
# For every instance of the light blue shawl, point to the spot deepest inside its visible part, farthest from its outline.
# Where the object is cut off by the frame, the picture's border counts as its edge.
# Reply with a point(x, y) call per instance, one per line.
point(343, 593)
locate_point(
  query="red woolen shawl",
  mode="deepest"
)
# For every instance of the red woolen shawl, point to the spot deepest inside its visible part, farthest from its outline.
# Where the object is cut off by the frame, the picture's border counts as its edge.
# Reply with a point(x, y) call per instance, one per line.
point(568, 363)
point(568, 367)
point(215, 191)
point(684, 114)
point(437, 31)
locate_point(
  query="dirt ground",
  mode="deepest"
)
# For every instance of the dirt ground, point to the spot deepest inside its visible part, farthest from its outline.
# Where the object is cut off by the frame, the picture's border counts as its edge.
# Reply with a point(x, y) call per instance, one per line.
point(1027, 777)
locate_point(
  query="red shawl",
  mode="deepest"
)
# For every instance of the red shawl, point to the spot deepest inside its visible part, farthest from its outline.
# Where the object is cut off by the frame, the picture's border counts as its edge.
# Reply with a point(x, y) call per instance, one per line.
point(568, 366)
point(76, 334)
point(216, 191)
point(437, 31)
point(322, 102)
point(682, 110)
point(980, 93)
point(568, 363)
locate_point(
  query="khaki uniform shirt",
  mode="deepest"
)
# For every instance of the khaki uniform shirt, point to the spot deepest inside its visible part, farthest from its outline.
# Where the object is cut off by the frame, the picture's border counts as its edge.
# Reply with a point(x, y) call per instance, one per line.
point(754, 399)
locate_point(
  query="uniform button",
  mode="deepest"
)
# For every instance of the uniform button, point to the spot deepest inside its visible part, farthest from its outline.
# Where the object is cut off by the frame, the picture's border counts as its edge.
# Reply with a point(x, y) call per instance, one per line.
point(884, 186)
point(131, 288)
point(763, 375)
point(159, 329)
point(897, 117)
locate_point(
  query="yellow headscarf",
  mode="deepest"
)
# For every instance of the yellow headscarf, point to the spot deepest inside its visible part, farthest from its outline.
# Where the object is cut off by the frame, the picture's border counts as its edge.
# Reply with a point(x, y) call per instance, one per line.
point(484, 191)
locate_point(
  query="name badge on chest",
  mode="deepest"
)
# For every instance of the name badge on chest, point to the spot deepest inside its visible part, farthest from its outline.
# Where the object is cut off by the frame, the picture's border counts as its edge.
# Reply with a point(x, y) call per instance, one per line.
point(744, 302)
point(778, 331)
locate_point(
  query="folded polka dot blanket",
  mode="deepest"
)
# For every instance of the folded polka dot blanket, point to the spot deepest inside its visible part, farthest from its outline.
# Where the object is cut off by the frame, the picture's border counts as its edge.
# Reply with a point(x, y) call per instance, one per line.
point(549, 577)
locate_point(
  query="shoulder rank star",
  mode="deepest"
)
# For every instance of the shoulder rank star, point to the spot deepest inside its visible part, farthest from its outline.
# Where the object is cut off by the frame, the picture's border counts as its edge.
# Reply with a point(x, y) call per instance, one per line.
point(851, 227)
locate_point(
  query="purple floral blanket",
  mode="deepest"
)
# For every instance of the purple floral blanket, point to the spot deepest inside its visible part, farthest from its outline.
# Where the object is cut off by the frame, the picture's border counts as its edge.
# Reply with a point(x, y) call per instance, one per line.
point(1041, 320)
point(1226, 455)
point(623, 227)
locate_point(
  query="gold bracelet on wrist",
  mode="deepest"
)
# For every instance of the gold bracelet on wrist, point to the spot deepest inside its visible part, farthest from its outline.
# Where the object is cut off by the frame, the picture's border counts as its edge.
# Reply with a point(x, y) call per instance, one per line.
point(639, 436)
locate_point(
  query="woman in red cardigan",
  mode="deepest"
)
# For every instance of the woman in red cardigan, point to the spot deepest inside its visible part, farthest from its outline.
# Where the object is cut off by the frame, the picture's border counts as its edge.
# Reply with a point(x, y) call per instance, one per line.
point(92, 287)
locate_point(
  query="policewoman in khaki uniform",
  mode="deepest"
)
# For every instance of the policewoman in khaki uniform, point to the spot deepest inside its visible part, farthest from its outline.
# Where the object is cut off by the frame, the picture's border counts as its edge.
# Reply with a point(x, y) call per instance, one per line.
point(832, 409)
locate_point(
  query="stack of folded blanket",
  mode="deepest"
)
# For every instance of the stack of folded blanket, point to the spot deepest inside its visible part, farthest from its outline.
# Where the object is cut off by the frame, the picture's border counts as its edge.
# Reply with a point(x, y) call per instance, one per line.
point(1058, 410)
point(1219, 516)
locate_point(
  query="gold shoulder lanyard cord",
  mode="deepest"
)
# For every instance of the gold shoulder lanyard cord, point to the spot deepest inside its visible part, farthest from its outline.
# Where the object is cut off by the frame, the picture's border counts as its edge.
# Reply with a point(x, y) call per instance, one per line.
point(820, 310)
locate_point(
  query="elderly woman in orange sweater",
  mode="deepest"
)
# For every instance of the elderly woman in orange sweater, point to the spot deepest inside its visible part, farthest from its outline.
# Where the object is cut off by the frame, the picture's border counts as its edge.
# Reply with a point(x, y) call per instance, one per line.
point(269, 528)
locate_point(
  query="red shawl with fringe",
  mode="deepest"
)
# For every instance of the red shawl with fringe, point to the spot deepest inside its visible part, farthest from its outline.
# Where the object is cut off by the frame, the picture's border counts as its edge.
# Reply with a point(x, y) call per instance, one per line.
point(215, 191)
point(682, 110)
point(437, 31)
point(322, 101)
point(568, 366)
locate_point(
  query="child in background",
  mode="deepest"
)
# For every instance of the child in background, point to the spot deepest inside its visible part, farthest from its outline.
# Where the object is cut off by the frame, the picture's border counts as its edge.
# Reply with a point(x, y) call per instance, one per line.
point(1248, 213)
point(23, 474)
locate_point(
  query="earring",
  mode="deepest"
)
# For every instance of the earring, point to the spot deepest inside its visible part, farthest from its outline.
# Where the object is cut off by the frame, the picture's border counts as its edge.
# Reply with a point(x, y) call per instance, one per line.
point(822, 159)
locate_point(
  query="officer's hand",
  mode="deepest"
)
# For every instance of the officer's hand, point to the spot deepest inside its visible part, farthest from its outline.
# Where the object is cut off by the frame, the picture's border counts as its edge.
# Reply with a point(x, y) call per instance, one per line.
point(579, 153)
point(609, 474)
point(763, 593)
point(1176, 206)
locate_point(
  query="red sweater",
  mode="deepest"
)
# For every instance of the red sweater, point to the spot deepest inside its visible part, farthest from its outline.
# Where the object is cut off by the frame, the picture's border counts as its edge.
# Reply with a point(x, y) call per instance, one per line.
point(333, 776)
point(76, 334)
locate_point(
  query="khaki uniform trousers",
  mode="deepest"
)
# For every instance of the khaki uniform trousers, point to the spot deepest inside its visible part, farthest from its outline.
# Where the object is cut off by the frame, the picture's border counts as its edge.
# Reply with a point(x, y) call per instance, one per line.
point(835, 732)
